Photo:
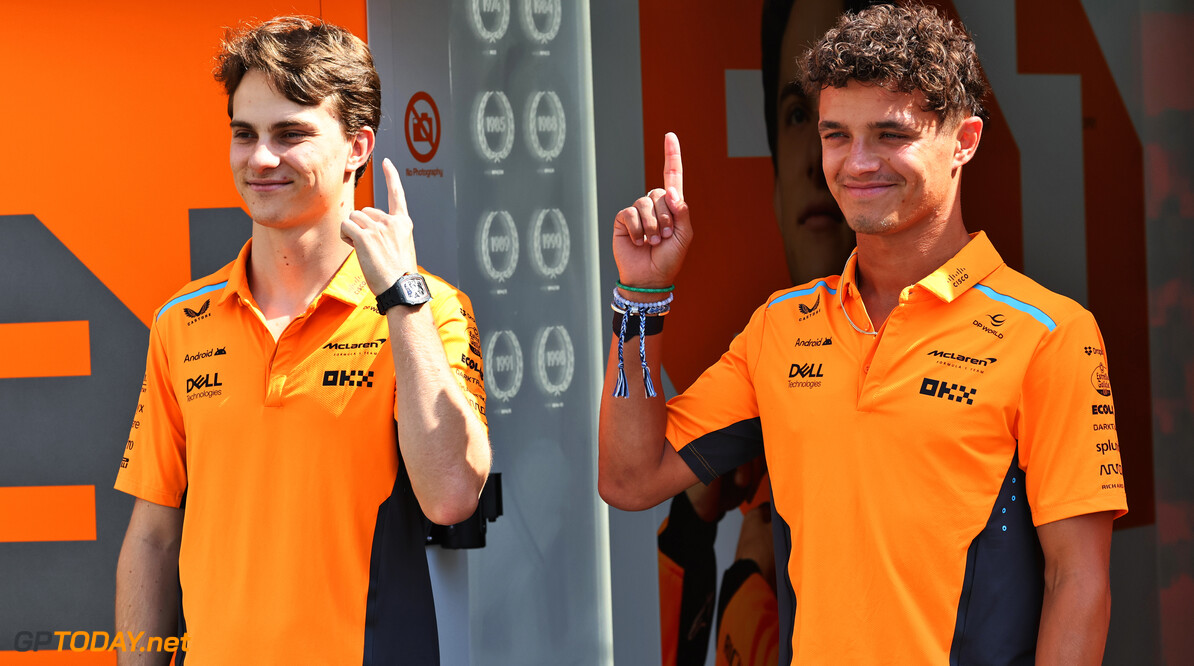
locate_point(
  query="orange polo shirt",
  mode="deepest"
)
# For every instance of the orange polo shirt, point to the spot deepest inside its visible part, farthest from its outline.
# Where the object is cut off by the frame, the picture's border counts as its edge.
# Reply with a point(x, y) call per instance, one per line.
point(910, 468)
point(302, 540)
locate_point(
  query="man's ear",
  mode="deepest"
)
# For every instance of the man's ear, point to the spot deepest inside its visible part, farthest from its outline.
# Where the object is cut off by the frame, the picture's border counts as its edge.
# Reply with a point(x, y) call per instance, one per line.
point(362, 148)
point(968, 134)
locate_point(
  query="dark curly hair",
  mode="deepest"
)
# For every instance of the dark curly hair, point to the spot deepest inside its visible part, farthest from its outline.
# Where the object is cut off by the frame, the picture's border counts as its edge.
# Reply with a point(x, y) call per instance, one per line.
point(307, 61)
point(904, 49)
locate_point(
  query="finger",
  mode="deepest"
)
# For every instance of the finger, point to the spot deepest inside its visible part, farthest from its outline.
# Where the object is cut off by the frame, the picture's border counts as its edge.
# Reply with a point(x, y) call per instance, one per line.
point(662, 213)
point(360, 219)
point(350, 232)
point(394, 185)
point(673, 169)
point(646, 214)
point(374, 214)
point(628, 220)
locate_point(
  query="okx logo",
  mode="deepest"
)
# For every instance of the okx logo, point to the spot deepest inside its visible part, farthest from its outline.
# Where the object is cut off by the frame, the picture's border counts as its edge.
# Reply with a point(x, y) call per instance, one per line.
point(941, 389)
point(348, 378)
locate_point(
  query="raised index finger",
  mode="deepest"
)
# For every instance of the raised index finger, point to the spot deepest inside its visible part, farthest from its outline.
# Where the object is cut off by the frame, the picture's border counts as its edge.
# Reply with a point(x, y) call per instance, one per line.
point(394, 186)
point(673, 170)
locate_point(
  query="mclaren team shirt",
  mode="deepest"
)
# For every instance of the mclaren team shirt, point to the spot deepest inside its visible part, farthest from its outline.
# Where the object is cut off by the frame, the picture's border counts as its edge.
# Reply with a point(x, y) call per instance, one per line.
point(302, 540)
point(910, 469)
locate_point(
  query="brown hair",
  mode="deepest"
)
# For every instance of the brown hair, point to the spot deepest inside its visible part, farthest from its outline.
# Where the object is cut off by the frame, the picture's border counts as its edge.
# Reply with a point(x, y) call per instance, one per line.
point(307, 61)
point(903, 49)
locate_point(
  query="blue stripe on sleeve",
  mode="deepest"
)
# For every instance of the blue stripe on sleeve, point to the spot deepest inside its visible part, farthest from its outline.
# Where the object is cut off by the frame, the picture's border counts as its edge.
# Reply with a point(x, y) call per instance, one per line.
point(193, 294)
point(1035, 312)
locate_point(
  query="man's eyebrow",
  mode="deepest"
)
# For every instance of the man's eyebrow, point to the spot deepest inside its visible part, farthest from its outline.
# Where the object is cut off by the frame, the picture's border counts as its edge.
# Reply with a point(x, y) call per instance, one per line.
point(278, 126)
point(898, 125)
point(790, 89)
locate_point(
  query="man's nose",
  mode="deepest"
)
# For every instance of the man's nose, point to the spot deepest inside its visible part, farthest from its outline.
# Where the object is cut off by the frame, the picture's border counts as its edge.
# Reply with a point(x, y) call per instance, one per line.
point(860, 158)
point(262, 157)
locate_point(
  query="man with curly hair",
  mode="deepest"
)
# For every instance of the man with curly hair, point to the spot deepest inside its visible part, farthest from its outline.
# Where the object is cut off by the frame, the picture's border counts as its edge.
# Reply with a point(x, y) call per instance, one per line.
point(308, 408)
point(938, 428)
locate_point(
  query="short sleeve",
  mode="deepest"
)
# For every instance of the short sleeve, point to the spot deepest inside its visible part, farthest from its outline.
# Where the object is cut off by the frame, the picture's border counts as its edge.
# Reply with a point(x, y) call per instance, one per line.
point(453, 314)
point(1068, 444)
point(154, 464)
point(714, 425)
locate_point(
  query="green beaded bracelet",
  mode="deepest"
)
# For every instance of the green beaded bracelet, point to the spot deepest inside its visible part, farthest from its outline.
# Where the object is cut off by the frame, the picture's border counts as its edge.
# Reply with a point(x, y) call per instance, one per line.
point(647, 290)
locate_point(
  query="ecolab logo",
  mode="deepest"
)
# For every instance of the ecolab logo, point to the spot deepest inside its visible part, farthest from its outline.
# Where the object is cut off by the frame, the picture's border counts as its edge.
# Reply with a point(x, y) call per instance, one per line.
point(1095, 410)
point(962, 358)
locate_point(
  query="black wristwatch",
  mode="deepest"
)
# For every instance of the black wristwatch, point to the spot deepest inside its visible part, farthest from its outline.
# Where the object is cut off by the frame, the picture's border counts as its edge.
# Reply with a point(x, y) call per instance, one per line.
point(410, 289)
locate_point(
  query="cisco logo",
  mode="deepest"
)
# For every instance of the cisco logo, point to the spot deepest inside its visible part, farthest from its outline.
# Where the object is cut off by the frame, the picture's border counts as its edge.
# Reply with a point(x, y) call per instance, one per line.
point(555, 360)
point(503, 358)
point(493, 129)
point(497, 245)
point(489, 19)
point(541, 19)
point(550, 243)
point(545, 125)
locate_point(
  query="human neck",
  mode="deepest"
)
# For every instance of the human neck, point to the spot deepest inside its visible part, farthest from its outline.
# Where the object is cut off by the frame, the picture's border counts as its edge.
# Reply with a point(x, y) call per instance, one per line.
point(288, 268)
point(887, 264)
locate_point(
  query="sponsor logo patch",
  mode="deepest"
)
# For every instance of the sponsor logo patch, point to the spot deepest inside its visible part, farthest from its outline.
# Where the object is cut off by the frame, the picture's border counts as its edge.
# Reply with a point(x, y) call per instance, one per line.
point(813, 342)
point(195, 316)
point(1100, 381)
point(348, 378)
point(937, 388)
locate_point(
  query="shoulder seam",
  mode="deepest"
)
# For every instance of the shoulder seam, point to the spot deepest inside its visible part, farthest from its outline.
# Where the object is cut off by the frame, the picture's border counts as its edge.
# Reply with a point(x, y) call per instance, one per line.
point(804, 292)
point(198, 292)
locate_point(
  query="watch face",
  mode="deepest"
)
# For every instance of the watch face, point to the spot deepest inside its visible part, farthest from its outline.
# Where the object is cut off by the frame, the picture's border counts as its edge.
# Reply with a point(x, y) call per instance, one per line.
point(414, 289)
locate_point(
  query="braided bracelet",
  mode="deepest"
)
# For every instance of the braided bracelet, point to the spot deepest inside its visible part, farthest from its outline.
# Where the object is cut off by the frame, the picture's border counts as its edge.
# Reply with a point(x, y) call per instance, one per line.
point(640, 311)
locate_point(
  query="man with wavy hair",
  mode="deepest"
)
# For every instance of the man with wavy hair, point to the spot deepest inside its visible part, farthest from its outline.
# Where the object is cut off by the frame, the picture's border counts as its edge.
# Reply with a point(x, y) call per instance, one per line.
point(935, 424)
point(310, 406)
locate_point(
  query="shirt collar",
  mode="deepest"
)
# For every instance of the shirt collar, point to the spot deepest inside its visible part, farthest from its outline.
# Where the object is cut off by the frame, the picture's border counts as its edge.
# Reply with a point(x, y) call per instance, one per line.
point(348, 284)
point(975, 261)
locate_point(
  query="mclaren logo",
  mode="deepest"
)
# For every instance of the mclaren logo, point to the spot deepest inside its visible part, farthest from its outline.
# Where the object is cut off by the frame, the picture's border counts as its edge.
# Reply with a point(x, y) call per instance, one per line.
point(962, 358)
point(346, 346)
